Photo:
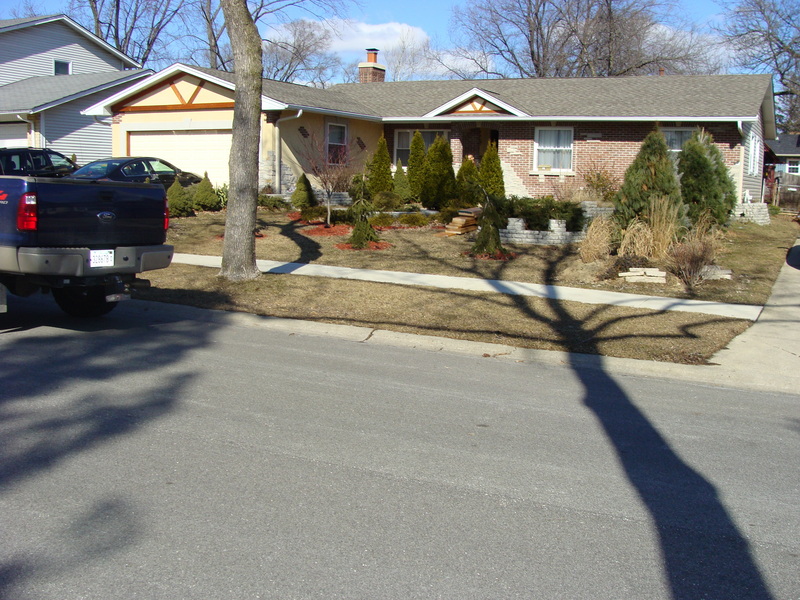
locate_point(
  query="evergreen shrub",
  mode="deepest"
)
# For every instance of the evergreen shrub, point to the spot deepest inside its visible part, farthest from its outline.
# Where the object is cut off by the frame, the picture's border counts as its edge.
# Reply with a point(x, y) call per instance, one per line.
point(379, 170)
point(179, 201)
point(205, 198)
point(303, 195)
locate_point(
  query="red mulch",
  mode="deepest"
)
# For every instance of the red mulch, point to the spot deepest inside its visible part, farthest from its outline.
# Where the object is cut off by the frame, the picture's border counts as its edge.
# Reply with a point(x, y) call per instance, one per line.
point(332, 230)
point(372, 246)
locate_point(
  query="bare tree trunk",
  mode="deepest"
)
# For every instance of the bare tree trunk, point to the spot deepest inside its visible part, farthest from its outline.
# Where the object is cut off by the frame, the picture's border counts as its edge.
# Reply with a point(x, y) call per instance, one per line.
point(238, 251)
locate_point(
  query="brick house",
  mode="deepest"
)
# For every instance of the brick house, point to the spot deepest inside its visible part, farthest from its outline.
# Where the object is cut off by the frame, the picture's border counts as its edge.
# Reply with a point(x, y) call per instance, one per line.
point(549, 131)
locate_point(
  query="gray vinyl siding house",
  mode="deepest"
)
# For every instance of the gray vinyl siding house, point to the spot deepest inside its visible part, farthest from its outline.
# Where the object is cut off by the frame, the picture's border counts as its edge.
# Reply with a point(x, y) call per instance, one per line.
point(51, 69)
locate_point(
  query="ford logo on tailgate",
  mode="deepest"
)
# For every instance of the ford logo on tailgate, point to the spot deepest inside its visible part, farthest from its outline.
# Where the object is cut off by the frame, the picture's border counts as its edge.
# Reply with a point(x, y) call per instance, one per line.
point(106, 216)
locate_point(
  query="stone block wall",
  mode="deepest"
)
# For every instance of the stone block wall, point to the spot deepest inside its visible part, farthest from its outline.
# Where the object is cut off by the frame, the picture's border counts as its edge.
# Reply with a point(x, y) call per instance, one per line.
point(755, 212)
point(557, 234)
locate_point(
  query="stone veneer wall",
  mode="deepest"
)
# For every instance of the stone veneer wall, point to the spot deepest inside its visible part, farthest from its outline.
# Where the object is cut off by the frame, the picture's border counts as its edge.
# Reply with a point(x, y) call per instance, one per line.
point(755, 212)
point(557, 233)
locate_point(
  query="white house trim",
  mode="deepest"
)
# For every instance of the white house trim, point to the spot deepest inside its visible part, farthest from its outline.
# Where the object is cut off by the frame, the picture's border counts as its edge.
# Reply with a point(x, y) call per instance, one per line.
point(459, 100)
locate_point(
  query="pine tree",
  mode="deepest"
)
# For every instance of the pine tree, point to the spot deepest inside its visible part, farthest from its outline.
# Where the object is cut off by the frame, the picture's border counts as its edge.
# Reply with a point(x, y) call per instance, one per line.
point(706, 184)
point(491, 172)
point(303, 195)
point(467, 182)
point(487, 242)
point(651, 174)
point(205, 198)
point(379, 170)
point(416, 165)
point(439, 184)
point(363, 233)
point(401, 185)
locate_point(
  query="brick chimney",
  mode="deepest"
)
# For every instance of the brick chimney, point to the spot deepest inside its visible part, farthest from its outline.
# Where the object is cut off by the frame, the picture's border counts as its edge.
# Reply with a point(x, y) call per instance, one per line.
point(371, 71)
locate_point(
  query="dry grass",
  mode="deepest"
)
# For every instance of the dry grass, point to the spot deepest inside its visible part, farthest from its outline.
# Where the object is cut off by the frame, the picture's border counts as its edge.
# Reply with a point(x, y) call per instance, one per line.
point(597, 244)
point(663, 219)
point(754, 253)
point(637, 240)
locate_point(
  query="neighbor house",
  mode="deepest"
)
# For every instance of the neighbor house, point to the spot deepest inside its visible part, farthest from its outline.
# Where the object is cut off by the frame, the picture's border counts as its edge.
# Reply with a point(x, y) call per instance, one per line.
point(549, 132)
point(786, 151)
point(51, 69)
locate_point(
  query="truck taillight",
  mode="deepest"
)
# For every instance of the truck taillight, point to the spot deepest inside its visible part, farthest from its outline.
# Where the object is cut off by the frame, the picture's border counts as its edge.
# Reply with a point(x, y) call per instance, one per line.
point(166, 213)
point(27, 213)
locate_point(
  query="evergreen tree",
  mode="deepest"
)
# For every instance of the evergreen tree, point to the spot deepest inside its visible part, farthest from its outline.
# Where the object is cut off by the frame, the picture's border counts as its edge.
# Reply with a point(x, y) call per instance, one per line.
point(491, 172)
point(416, 165)
point(706, 184)
point(488, 239)
point(205, 198)
point(467, 182)
point(651, 174)
point(303, 195)
point(439, 184)
point(363, 233)
point(379, 170)
point(401, 185)
point(179, 201)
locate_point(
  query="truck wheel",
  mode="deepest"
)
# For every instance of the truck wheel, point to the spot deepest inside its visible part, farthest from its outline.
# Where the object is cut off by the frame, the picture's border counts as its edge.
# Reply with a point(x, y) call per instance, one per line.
point(83, 301)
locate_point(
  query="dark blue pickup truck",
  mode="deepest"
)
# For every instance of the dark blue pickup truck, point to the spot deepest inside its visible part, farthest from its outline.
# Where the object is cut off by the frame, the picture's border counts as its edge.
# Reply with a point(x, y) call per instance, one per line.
point(83, 241)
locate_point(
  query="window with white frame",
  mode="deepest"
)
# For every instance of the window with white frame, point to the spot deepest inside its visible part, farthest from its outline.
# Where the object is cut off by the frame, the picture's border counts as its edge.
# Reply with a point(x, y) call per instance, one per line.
point(793, 166)
point(402, 141)
point(62, 67)
point(676, 137)
point(552, 149)
point(336, 142)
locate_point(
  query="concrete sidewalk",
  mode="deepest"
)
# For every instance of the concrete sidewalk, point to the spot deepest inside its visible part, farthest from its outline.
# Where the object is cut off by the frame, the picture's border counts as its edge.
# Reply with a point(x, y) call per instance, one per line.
point(516, 288)
point(765, 357)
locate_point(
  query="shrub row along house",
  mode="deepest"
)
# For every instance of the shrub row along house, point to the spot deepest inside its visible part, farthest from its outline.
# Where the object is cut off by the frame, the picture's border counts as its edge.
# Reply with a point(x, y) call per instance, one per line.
point(51, 69)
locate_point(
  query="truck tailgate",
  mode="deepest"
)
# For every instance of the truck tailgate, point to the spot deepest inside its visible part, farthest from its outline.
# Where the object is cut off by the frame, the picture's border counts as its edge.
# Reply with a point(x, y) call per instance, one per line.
point(99, 215)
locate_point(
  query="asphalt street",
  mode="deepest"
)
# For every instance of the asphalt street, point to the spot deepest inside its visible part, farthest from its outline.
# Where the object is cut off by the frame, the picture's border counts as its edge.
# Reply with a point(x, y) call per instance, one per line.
point(168, 453)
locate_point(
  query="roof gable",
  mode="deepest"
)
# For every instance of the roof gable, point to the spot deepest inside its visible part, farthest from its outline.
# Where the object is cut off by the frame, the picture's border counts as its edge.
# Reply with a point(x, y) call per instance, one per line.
point(475, 102)
point(9, 25)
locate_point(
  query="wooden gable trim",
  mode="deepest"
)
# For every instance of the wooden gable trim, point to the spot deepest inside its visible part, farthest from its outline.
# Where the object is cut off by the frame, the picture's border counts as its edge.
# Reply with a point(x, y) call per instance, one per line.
point(173, 107)
point(478, 106)
point(183, 104)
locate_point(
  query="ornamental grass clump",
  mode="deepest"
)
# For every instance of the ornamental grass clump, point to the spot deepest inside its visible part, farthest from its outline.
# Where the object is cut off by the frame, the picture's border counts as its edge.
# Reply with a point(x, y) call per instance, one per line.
point(598, 243)
point(664, 219)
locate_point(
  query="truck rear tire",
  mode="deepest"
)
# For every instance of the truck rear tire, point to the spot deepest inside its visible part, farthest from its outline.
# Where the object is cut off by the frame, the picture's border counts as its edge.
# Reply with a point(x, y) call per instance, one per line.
point(85, 302)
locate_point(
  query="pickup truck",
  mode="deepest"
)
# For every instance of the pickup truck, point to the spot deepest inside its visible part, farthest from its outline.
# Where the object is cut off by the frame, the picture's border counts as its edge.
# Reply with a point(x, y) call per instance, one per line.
point(83, 242)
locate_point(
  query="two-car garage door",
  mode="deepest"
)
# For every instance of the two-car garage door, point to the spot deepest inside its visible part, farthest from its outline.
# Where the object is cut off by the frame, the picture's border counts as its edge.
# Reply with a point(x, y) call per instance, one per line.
point(195, 151)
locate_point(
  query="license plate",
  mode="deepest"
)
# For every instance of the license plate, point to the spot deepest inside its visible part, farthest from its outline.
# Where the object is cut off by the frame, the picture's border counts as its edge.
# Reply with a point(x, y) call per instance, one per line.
point(101, 258)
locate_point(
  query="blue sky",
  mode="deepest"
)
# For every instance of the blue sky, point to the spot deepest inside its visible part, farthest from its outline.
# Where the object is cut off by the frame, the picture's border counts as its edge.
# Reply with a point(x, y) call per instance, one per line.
point(379, 24)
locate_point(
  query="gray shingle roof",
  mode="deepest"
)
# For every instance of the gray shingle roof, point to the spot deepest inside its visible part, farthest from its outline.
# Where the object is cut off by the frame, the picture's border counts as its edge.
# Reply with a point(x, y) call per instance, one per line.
point(646, 96)
point(37, 93)
point(787, 144)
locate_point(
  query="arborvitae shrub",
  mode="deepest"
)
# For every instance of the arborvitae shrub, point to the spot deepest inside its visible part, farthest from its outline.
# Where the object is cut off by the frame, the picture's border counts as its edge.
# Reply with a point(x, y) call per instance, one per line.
point(179, 201)
point(652, 173)
point(705, 182)
point(468, 191)
point(379, 170)
point(439, 183)
point(491, 172)
point(303, 195)
point(416, 165)
point(401, 186)
point(205, 198)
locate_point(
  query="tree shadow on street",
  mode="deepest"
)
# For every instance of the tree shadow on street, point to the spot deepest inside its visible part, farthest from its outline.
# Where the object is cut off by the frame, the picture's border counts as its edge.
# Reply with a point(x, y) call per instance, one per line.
point(68, 387)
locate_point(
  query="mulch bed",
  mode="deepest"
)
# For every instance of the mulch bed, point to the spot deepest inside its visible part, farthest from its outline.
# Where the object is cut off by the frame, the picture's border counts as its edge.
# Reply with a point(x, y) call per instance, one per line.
point(332, 230)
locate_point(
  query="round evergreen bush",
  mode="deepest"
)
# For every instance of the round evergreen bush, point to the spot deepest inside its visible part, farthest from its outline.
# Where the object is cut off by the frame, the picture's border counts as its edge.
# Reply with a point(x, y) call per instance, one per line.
point(179, 201)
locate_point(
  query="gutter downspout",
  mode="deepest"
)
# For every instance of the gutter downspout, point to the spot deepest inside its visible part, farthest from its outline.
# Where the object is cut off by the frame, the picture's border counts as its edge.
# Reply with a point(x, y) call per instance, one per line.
point(31, 129)
point(278, 144)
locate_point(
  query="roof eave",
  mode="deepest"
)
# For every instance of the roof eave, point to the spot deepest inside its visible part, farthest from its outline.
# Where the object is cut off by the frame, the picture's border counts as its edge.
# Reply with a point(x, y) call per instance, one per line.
point(490, 118)
point(88, 92)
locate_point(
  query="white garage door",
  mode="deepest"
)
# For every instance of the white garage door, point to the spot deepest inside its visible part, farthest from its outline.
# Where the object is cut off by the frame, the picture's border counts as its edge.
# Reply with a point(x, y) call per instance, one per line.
point(13, 135)
point(194, 151)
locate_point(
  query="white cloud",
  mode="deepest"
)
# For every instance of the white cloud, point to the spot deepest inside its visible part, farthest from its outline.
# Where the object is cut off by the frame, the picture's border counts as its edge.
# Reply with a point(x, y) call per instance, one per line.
point(356, 36)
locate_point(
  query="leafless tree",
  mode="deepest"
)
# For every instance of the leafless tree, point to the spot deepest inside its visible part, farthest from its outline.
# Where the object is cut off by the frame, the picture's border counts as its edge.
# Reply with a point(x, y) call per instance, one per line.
point(139, 28)
point(332, 166)
point(238, 251)
point(299, 52)
point(765, 37)
point(409, 58)
point(572, 38)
